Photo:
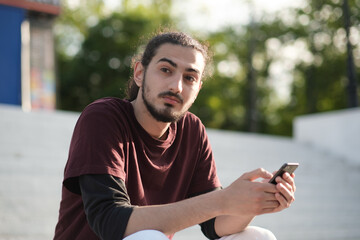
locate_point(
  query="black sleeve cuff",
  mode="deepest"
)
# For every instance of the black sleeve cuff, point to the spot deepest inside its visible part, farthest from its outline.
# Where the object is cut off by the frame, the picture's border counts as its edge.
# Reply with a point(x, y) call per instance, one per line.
point(106, 204)
point(208, 227)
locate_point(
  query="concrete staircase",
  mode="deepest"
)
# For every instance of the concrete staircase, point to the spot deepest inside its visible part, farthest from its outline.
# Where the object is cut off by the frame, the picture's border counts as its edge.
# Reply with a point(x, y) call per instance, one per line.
point(33, 153)
point(327, 196)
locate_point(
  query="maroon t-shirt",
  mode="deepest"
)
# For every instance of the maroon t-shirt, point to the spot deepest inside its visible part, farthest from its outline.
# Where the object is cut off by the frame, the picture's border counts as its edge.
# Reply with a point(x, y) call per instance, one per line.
point(109, 140)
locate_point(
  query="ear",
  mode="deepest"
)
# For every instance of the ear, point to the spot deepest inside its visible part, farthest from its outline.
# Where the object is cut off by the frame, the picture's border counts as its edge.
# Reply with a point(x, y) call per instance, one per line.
point(138, 74)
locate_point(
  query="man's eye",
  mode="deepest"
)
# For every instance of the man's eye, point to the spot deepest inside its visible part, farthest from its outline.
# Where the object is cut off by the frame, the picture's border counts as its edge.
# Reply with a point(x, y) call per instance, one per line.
point(165, 70)
point(190, 78)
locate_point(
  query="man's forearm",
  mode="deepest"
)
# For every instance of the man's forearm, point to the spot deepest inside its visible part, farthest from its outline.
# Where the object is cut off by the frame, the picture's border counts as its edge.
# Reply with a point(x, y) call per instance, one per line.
point(226, 225)
point(243, 198)
point(171, 218)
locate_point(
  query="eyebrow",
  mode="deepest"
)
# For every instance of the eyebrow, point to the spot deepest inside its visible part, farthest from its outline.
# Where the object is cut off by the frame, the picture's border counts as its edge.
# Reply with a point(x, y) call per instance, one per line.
point(172, 63)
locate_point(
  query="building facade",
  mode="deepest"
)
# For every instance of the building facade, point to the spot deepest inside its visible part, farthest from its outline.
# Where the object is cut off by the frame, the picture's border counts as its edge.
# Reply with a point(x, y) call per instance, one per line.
point(27, 56)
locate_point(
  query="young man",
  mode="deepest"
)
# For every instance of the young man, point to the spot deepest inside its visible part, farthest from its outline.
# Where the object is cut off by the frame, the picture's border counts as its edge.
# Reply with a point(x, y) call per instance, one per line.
point(143, 168)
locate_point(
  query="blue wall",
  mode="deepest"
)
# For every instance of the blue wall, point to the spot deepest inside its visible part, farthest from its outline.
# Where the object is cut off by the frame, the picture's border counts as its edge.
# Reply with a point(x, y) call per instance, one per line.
point(10, 54)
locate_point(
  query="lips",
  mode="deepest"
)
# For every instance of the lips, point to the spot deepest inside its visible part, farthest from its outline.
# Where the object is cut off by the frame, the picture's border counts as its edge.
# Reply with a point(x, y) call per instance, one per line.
point(171, 98)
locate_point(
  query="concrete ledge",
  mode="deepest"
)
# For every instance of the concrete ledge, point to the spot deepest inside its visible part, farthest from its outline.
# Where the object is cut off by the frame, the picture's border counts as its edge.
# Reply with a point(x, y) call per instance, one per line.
point(33, 153)
point(335, 132)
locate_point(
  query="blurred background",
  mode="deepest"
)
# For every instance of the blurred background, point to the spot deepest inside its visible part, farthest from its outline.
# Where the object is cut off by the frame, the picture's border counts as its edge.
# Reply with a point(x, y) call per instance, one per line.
point(272, 60)
point(284, 87)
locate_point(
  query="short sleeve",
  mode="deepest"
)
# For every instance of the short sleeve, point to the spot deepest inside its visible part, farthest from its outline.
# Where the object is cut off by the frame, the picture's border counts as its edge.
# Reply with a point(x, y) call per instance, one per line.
point(97, 145)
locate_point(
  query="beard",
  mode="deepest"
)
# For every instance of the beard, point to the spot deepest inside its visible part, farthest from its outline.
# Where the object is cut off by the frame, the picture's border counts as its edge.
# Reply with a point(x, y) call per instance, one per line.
point(166, 114)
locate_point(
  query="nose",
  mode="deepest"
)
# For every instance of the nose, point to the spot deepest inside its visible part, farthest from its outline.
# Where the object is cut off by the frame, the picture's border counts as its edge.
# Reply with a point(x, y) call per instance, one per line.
point(176, 84)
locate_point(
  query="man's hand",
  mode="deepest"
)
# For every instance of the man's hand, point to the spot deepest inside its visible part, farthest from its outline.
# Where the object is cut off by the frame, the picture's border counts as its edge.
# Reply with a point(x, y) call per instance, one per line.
point(286, 187)
point(246, 196)
point(234, 207)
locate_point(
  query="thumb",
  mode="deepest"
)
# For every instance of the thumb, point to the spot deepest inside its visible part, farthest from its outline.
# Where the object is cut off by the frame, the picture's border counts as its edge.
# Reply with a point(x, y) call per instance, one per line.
point(255, 174)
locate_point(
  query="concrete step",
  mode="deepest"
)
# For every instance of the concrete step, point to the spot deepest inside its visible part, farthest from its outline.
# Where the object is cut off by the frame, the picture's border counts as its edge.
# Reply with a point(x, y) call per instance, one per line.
point(33, 152)
point(327, 195)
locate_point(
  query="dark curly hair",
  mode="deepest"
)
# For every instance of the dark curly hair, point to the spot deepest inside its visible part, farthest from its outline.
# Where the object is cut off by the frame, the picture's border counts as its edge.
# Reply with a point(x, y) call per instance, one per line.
point(177, 38)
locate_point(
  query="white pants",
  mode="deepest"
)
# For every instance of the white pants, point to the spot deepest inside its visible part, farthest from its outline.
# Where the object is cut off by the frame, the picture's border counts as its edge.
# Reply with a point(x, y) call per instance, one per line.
point(250, 233)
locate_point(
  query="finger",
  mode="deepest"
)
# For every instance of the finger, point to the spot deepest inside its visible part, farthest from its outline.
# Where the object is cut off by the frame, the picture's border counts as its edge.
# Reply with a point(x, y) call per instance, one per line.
point(269, 196)
point(282, 201)
point(285, 192)
point(269, 188)
point(293, 180)
point(287, 177)
point(286, 184)
point(255, 174)
point(271, 210)
point(271, 204)
point(289, 180)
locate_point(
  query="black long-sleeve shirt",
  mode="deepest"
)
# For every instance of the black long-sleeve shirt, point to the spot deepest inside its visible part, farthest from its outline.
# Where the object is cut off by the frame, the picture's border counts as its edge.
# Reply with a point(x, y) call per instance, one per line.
point(108, 208)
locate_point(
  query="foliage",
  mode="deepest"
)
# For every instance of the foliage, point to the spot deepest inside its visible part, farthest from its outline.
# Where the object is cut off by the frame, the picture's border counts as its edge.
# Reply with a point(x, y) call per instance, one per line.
point(307, 44)
point(102, 67)
point(223, 102)
point(314, 35)
point(320, 82)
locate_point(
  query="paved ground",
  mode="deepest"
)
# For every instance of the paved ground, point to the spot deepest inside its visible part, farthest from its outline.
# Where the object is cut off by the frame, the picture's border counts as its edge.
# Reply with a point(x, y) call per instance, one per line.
point(327, 197)
point(33, 151)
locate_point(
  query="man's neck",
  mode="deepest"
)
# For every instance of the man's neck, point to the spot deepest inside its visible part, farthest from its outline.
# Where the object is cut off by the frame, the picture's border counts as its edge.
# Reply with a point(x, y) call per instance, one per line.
point(156, 129)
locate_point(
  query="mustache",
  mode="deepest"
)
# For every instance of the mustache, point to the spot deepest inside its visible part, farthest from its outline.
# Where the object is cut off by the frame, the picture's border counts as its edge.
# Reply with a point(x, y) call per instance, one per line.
point(171, 94)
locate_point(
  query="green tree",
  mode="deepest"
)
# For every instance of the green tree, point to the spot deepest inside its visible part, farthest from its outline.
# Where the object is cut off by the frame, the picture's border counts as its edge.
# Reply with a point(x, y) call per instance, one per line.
point(224, 101)
point(102, 66)
point(320, 84)
point(307, 44)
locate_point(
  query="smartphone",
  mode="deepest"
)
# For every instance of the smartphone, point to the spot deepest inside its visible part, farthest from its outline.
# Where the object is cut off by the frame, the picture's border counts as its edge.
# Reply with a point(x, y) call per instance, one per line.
point(286, 167)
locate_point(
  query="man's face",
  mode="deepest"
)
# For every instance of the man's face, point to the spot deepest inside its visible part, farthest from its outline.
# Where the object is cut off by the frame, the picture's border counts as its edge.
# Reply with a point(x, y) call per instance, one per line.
point(172, 81)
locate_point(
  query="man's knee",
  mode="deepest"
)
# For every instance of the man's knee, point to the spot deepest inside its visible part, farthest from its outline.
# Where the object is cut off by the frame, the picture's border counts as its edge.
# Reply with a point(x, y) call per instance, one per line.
point(260, 233)
point(252, 233)
point(148, 235)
